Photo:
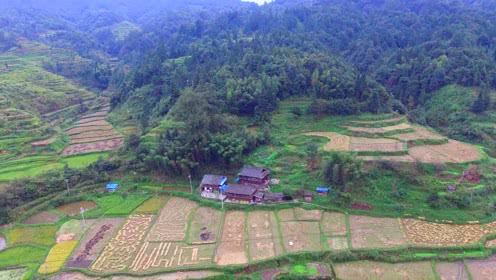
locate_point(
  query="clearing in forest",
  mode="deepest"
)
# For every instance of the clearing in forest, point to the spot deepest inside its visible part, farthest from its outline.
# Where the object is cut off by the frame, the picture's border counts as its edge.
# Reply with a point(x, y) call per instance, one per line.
point(369, 232)
point(231, 249)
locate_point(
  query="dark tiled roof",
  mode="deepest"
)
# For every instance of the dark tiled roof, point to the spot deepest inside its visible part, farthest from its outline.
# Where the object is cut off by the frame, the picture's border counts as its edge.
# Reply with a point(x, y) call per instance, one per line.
point(213, 180)
point(240, 189)
point(254, 172)
point(259, 195)
point(270, 196)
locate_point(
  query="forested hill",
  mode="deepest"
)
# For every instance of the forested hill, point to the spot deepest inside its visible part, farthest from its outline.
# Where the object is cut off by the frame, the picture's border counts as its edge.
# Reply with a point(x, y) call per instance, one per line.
point(166, 61)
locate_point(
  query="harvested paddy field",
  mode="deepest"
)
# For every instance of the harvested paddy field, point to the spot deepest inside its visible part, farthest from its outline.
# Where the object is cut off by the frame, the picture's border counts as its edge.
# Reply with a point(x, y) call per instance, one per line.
point(334, 224)
point(231, 249)
point(338, 242)
point(369, 232)
point(119, 253)
point(301, 236)
point(73, 276)
point(366, 270)
point(337, 142)
point(158, 256)
point(482, 269)
point(489, 244)
point(420, 133)
point(181, 275)
point(366, 122)
point(378, 130)
point(286, 215)
point(263, 235)
point(172, 223)
point(73, 209)
point(93, 242)
point(205, 225)
point(403, 158)
point(452, 271)
point(45, 217)
point(453, 152)
point(362, 144)
point(102, 146)
point(432, 234)
point(308, 215)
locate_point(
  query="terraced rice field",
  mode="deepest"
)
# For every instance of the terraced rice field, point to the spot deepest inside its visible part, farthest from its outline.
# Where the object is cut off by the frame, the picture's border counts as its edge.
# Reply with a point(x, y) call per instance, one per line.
point(263, 235)
point(119, 253)
point(73, 209)
point(452, 271)
point(45, 217)
point(205, 225)
point(453, 151)
point(432, 234)
point(301, 236)
point(421, 133)
point(368, 232)
point(378, 130)
point(93, 134)
point(375, 270)
point(362, 144)
point(172, 223)
point(231, 249)
point(337, 142)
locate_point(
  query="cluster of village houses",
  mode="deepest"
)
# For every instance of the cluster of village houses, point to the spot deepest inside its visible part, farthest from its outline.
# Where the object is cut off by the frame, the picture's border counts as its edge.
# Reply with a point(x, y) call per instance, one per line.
point(251, 186)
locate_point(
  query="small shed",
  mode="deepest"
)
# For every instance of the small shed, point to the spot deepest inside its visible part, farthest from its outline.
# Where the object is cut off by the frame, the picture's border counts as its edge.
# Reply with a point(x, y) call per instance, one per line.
point(308, 196)
point(259, 197)
point(322, 191)
point(212, 183)
point(274, 197)
point(112, 187)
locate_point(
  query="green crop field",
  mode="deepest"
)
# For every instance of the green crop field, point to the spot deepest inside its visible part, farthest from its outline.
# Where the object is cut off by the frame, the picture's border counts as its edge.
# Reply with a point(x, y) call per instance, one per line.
point(22, 255)
point(43, 235)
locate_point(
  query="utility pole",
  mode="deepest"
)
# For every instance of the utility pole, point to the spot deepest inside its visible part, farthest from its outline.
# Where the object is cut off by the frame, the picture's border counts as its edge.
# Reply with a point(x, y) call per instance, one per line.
point(190, 184)
point(82, 215)
point(67, 185)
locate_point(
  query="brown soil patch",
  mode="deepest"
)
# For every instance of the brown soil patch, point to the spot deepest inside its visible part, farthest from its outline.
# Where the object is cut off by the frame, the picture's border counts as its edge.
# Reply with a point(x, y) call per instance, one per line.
point(96, 114)
point(432, 234)
point(369, 232)
point(94, 123)
point(491, 243)
point(173, 220)
point(401, 126)
point(483, 269)
point(286, 215)
point(375, 270)
point(361, 144)
point(232, 246)
point(92, 119)
point(338, 142)
point(103, 146)
point(44, 143)
point(334, 224)
point(205, 225)
point(263, 235)
point(269, 274)
point(83, 129)
point(73, 276)
point(45, 217)
point(120, 252)
point(404, 158)
point(301, 236)
point(94, 134)
point(94, 139)
point(157, 256)
point(308, 215)
point(453, 151)
point(72, 209)
point(452, 271)
point(419, 134)
point(93, 242)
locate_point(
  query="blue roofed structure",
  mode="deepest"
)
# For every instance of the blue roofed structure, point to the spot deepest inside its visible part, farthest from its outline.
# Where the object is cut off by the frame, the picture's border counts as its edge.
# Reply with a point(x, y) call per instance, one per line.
point(322, 190)
point(112, 187)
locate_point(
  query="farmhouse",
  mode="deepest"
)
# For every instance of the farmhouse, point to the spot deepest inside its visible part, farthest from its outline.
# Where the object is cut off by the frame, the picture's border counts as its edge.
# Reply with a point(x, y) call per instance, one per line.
point(212, 183)
point(242, 193)
point(274, 197)
point(256, 176)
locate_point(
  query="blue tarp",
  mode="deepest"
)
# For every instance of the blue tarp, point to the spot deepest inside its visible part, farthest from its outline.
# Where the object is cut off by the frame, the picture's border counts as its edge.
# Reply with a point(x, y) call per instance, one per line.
point(321, 189)
point(223, 188)
point(224, 180)
point(112, 187)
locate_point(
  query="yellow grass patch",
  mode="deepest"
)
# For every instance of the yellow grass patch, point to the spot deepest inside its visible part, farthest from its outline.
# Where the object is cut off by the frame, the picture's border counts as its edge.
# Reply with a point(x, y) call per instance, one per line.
point(401, 126)
point(338, 142)
point(56, 257)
